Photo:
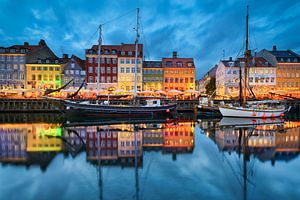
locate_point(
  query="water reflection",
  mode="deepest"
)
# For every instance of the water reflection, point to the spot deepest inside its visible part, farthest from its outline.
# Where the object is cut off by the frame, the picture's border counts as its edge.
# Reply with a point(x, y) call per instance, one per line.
point(129, 145)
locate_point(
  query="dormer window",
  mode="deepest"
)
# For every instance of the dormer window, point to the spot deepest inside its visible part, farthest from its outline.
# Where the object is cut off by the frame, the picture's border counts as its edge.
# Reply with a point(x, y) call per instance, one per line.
point(179, 64)
point(23, 51)
point(56, 61)
point(106, 51)
point(130, 53)
point(123, 53)
point(47, 60)
point(12, 50)
point(39, 61)
point(113, 51)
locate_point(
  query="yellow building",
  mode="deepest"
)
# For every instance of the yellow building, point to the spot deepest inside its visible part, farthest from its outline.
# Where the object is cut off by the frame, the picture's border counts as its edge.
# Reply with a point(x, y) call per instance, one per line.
point(43, 76)
point(179, 73)
point(153, 76)
point(43, 69)
point(126, 67)
point(287, 65)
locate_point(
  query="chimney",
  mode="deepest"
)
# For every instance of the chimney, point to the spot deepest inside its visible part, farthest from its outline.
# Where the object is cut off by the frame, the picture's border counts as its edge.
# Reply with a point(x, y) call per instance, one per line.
point(26, 44)
point(274, 48)
point(65, 56)
point(174, 54)
point(42, 43)
point(230, 58)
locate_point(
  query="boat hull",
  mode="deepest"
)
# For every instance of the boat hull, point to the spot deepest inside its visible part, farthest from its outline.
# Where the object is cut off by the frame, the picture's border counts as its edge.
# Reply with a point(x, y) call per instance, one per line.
point(251, 113)
point(111, 110)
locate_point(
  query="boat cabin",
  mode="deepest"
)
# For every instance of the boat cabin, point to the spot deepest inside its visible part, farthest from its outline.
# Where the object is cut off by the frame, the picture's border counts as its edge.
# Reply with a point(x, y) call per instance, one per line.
point(153, 102)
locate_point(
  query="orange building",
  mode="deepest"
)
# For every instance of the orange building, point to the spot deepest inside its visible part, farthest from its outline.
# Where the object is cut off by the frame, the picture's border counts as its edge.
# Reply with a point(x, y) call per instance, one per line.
point(179, 73)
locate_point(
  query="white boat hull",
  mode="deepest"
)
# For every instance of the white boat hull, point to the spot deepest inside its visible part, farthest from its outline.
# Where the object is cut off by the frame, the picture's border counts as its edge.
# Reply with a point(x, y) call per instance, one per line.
point(250, 113)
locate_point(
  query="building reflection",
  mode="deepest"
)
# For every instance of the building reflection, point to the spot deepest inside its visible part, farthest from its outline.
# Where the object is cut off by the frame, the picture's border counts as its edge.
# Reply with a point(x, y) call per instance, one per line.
point(266, 141)
point(115, 144)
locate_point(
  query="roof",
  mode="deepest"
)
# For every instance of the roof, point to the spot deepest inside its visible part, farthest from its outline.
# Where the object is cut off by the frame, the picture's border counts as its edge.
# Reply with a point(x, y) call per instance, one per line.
point(41, 53)
point(285, 56)
point(109, 49)
point(253, 62)
point(79, 63)
point(174, 62)
point(152, 64)
point(26, 46)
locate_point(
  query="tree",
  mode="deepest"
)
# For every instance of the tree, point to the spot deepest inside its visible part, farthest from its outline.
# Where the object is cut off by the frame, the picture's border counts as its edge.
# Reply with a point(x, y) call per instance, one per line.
point(211, 86)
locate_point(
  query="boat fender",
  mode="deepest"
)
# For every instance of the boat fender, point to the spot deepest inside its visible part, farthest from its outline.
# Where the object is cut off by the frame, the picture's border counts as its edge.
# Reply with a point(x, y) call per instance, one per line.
point(168, 110)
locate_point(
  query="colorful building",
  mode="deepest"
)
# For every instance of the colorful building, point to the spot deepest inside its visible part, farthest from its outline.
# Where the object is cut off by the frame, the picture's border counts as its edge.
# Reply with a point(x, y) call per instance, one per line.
point(201, 84)
point(261, 77)
point(43, 69)
point(74, 70)
point(126, 67)
point(108, 67)
point(179, 73)
point(153, 76)
point(287, 65)
point(12, 67)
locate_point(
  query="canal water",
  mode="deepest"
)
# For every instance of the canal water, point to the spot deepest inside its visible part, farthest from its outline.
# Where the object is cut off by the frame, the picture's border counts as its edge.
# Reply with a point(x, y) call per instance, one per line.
point(184, 158)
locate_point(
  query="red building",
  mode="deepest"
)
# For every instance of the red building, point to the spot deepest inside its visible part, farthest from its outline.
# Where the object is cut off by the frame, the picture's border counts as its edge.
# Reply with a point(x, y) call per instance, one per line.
point(108, 66)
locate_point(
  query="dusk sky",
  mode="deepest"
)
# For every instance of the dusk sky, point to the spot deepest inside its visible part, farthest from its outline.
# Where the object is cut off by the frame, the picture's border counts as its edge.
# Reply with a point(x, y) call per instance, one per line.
point(198, 29)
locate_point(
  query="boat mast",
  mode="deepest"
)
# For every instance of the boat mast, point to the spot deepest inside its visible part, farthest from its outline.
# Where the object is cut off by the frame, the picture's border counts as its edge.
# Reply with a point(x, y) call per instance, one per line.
point(99, 54)
point(247, 54)
point(136, 51)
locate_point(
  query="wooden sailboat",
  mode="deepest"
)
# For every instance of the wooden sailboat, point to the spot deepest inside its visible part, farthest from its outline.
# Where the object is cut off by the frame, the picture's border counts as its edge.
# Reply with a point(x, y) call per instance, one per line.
point(257, 109)
point(151, 107)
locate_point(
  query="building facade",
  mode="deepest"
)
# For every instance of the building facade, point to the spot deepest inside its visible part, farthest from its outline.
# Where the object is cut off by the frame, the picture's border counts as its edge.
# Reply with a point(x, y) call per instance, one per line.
point(287, 65)
point(12, 67)
point(43, 69)
point(74, 70)
point(153, 76)
point(108, 67)
point(179, 73)
point(126, 67)
point(261, 77)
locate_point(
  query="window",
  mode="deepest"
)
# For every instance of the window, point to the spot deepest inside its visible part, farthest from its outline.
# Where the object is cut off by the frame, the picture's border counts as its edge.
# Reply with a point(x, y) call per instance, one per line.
point(45, 68)
point(108, 79)
point(179, 64)
point(171, 80)
point(67, 72)
point(102, 60)
point(122, 61)
point(108, 70)
point(123, 53)
point(114, 79)
point(169, 63)
point(132, 61)
point(122, 70)
point(108, 60)
point(138, 70)
point(102, 79)
point(115, 70)
point(33, 77)
point(139, 61)
point(90, 60)
point(56, 68)
point(166, 80)
point(114, 61)
point(127, 70)
point(186, 80)
point(130, 53)
point(90, 79)
point(127, 61)
point(39, 77)
point(57, 77)
point(132, 70)
point(90, 69)
point(45, 78)
point(192, 80)
point(32, 68)
point(102, 70)
point(51, 78)
point(39, 68)
point(51, 68)
point(72, 65)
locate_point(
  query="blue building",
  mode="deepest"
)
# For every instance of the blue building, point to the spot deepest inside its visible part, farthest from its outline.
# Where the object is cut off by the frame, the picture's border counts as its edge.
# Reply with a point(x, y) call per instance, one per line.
point(73, 69)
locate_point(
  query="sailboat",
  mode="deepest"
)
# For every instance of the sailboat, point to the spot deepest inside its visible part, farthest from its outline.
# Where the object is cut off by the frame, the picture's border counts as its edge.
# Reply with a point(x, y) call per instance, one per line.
point(151, 107)
point(255, 109)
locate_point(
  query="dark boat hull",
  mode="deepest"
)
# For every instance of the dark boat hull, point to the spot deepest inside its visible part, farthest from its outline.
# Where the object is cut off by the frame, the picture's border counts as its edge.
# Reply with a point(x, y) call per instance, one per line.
point(112, 110)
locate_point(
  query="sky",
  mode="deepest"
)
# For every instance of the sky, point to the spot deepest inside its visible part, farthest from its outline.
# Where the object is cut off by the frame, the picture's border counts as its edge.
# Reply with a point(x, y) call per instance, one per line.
point(206, 30)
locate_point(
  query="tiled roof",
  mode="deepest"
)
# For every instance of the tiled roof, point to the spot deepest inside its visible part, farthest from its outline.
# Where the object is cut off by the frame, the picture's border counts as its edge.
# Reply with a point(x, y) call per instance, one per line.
point(286, 56)
point(152, 64)
point(253, 62)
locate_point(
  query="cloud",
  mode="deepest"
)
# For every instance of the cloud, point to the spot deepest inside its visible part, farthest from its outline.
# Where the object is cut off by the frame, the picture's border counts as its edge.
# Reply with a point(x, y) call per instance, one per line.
point(44, 15)
point(36, 14)
point(68, 36)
